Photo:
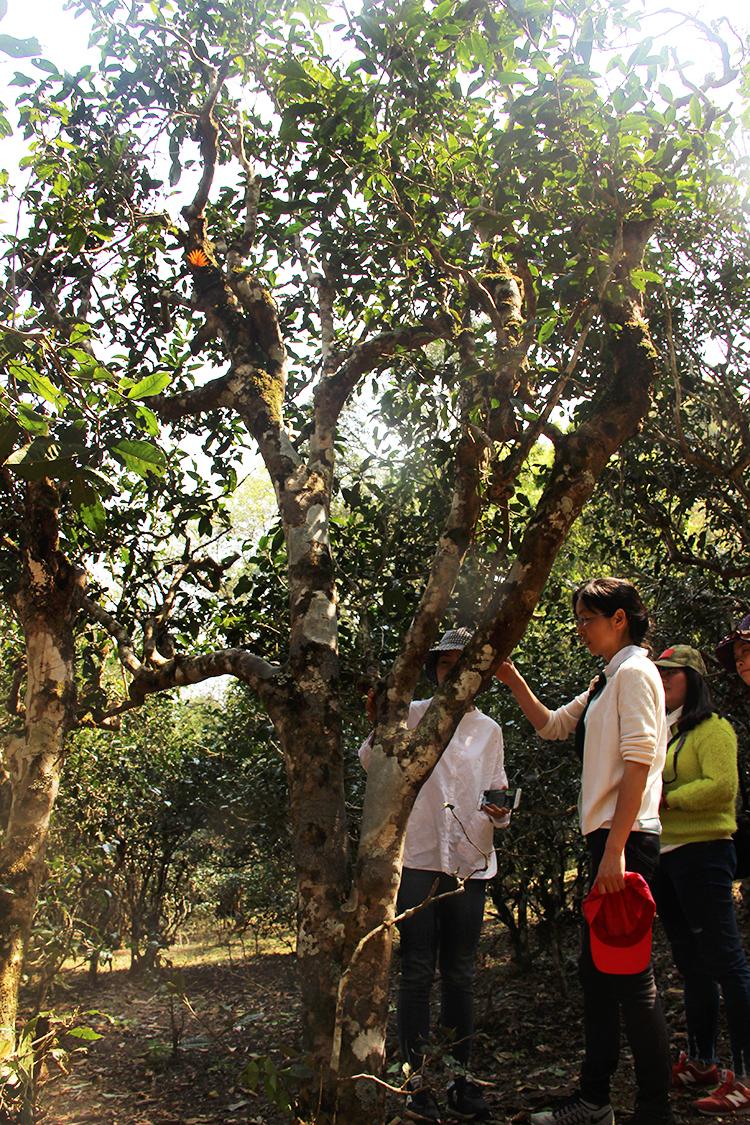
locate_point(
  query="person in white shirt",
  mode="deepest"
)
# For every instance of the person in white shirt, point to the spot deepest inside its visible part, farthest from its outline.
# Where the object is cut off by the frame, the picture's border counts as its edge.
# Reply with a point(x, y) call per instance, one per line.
point(621, 733)
point(449, 842)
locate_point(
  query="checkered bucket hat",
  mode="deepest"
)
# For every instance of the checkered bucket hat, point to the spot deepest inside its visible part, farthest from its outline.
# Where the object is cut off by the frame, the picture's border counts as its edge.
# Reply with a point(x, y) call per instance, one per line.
point(449, 642)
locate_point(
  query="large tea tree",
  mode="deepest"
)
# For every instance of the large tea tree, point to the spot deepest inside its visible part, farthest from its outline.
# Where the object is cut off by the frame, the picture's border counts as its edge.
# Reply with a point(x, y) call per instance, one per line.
point(458, 211)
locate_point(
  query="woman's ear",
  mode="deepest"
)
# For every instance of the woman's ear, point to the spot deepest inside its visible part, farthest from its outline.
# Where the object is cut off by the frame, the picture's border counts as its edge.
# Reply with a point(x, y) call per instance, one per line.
point(620, 618)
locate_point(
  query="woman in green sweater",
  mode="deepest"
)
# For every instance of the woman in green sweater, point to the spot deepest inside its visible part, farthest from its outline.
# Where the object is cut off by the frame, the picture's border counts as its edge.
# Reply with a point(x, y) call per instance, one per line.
point(693, 883)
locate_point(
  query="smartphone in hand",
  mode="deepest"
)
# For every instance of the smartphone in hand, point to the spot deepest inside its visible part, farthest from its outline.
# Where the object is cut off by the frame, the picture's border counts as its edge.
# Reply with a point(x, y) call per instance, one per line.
point(501, 798)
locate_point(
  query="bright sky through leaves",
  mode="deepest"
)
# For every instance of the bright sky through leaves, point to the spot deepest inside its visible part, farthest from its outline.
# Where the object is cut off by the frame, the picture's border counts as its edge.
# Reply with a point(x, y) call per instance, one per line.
point(63, 38)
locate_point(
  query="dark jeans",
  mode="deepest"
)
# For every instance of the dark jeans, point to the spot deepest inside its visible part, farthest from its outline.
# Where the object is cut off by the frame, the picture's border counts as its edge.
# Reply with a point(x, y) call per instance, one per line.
point(693, 892)
point(450, 928)
point(606, 995)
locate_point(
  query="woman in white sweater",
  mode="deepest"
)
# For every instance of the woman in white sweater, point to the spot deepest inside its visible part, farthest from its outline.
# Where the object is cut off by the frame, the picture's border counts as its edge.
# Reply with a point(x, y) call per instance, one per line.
point(620, 728)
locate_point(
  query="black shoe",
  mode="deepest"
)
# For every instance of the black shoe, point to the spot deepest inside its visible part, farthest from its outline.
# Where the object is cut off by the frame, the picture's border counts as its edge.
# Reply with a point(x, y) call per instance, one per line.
point(465, 1100)
point(421, 1106)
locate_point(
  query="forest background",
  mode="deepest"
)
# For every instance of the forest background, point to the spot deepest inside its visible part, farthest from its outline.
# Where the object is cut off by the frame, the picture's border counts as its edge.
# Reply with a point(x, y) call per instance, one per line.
point(471, 281)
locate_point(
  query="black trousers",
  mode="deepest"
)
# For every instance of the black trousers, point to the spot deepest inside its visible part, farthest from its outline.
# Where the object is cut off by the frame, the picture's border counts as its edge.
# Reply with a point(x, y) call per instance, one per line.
point(607, 996)
point(445, 933)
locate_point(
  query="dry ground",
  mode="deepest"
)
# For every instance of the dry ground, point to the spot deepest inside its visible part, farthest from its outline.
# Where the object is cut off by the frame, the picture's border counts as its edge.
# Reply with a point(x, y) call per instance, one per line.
point(242, 1004)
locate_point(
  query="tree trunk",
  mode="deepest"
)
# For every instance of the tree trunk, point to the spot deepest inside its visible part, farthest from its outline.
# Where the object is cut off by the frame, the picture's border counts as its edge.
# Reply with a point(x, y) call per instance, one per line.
point(45, 601)
point(362, 1016)
point(311, 739)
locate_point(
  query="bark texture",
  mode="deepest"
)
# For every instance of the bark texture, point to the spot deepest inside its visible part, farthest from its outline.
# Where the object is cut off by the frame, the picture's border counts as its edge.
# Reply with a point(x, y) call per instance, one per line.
point(46, 599)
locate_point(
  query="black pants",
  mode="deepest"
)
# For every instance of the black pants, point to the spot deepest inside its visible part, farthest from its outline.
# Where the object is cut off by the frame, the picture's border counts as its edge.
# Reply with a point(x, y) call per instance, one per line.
point(445, 933)
point(693, 892)
point(607, 995)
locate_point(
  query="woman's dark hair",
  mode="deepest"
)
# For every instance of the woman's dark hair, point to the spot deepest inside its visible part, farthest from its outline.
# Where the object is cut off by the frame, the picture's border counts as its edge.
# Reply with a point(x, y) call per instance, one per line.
point(607, 595)
point(698, 705)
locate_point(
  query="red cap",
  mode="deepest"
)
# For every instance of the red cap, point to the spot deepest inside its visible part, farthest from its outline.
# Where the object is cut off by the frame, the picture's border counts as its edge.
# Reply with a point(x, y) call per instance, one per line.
point(620, 926)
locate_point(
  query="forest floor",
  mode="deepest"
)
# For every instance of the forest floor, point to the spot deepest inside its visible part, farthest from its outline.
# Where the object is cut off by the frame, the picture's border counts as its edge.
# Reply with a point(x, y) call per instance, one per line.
point(163, 1059)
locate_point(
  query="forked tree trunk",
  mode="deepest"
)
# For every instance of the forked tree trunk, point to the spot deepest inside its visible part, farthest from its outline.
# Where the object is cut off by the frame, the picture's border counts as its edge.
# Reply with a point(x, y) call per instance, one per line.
point(359, 1035)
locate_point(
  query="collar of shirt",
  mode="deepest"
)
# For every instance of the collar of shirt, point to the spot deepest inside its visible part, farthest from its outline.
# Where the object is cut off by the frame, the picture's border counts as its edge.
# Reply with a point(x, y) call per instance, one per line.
point(674, 717)
point(621, 656)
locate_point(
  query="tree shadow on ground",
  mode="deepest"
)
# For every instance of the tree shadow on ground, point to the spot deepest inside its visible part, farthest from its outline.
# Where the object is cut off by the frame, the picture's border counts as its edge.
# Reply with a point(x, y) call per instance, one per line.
point(167, 1060)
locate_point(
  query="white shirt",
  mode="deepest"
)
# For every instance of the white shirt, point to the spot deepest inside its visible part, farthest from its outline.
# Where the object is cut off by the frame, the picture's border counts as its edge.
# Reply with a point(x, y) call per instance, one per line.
point(672, 718)
point(447, 831)
point(625, 723)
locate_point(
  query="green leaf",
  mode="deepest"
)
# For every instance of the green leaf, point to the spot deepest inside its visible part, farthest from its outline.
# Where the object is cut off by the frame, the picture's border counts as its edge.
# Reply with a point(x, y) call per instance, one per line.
point(77, 239)
point(81, 331)
point(84, 1033)
point(19, 48)
point(696, 111)
point(41, 384)
point(11, 343)
point(8, 436)
point(250, 1076)
point(641, 53)
point(103, 484)
point(548, 327)
point(541, 64)
point(663, 205)
point(511, 78)
point(44, 458)
point(152, 385)
point(640, 278)
point(45, 64)
point(86, 499)
point(30, 420)
point(147, 420)
point(140, 457)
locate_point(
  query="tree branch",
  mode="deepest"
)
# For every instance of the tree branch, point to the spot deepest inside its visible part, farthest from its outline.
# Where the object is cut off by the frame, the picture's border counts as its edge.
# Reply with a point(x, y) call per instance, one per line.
point(332, 393)
point(125, 646)
point(239, 251)
point(208, 133)
point(326, 293)
point(184, 670)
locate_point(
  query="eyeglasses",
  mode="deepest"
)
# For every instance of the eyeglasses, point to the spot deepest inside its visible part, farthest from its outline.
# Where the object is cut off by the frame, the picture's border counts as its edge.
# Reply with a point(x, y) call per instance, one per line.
point(583, 622)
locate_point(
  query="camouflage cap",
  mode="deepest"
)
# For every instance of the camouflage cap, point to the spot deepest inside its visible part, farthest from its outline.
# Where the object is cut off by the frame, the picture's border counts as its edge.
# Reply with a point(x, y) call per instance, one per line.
point(681, 656)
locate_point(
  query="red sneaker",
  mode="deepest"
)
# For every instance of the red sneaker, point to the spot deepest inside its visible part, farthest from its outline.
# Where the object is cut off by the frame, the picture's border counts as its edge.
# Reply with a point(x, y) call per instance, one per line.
point(688, 1073)
point(731, 1097)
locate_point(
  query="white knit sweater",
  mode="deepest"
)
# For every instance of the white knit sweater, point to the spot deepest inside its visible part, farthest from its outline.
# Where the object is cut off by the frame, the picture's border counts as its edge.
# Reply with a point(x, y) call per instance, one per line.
point(625, 723)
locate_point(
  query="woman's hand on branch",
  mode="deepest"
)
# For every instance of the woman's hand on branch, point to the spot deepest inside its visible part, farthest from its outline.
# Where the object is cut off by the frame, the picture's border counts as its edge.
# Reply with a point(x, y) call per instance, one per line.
point(507, 673)
point(534, 710)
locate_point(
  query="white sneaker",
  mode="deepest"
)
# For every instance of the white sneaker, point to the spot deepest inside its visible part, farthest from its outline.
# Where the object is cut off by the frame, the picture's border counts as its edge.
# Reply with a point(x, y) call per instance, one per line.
point(575, 1111)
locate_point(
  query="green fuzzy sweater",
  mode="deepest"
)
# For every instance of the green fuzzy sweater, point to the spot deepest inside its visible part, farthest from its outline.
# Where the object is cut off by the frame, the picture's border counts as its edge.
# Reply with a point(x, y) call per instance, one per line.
point(701, 797)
